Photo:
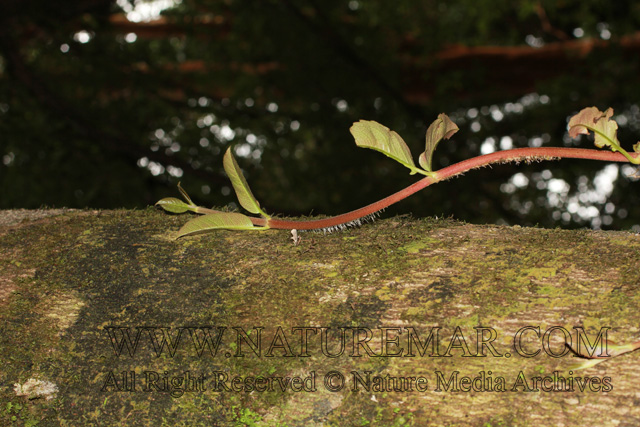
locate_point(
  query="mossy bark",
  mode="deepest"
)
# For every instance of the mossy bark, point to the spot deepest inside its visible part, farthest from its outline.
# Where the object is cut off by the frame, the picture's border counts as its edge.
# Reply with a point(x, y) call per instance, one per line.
point(67, 277)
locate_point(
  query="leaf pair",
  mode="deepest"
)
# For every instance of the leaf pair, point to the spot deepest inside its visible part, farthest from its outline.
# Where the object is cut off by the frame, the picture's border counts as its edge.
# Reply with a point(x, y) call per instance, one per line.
point(370, 134)
point(214, 220)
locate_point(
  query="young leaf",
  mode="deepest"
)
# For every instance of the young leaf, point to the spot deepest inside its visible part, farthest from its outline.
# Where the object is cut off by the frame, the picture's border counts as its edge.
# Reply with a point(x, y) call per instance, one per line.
point(215, 221)
point(173, 205)
point(441, 128)
point(185, 195)
point(370, 134)
point(245, 196)
point(603, 128)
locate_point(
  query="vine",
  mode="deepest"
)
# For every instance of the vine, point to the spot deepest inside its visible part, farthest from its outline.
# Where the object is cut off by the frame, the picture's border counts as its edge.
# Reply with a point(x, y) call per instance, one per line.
point(373, 135)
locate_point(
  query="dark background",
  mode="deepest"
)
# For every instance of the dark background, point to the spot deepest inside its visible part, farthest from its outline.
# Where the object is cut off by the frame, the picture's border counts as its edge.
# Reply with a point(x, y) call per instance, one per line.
point(99, 111)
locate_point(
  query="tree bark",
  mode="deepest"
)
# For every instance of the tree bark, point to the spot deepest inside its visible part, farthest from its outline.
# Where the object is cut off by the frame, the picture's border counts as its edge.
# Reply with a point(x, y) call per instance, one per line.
point(72, 282)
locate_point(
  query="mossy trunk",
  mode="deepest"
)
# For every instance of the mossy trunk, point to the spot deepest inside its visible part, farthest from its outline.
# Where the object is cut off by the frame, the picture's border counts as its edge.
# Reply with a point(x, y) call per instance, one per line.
point(71, 282)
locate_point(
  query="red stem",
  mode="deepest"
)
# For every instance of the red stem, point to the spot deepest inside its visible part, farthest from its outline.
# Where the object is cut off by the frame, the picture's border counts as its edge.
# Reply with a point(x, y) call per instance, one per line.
point(515, 155)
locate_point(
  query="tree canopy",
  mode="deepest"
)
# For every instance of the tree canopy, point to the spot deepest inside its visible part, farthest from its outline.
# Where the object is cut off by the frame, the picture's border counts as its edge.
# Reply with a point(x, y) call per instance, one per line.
point(101, 109)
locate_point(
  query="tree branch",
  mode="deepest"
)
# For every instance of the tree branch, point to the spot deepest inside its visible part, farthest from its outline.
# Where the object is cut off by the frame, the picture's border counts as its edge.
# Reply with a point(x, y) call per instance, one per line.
point(514, 70)
point(129, 150)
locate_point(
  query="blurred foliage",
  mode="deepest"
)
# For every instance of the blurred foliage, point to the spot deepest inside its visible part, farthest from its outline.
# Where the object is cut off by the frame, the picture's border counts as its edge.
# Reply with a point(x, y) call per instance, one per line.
point(101, 112)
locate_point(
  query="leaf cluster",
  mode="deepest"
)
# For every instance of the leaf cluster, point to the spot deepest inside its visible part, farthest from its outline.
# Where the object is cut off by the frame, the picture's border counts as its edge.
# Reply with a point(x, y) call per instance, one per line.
point(373, 135)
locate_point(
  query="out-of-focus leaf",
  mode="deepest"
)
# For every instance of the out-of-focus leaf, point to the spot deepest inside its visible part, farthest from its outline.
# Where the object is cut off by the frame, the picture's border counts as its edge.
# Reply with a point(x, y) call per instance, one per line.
point(613, 350)
point(441, 128)
point(585, 363)
point(171, 204)
point(245, 196)
point(370, 134)
point(216, 221)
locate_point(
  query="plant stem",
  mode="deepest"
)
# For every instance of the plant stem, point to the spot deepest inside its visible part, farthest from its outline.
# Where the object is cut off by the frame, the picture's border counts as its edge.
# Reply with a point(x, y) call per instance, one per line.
point(615, 145)
point(506, 156)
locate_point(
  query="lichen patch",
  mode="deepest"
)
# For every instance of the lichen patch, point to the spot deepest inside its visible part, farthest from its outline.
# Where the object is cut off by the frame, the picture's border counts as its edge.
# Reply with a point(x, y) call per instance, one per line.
point(64, 309)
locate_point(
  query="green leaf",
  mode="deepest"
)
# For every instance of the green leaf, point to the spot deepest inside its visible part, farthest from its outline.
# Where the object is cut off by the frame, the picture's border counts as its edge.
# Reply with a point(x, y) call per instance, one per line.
point(216, 221)
point(594, 120)
point(370, 134)
point(245, 196)
point(441, 128)
point(171, 204)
